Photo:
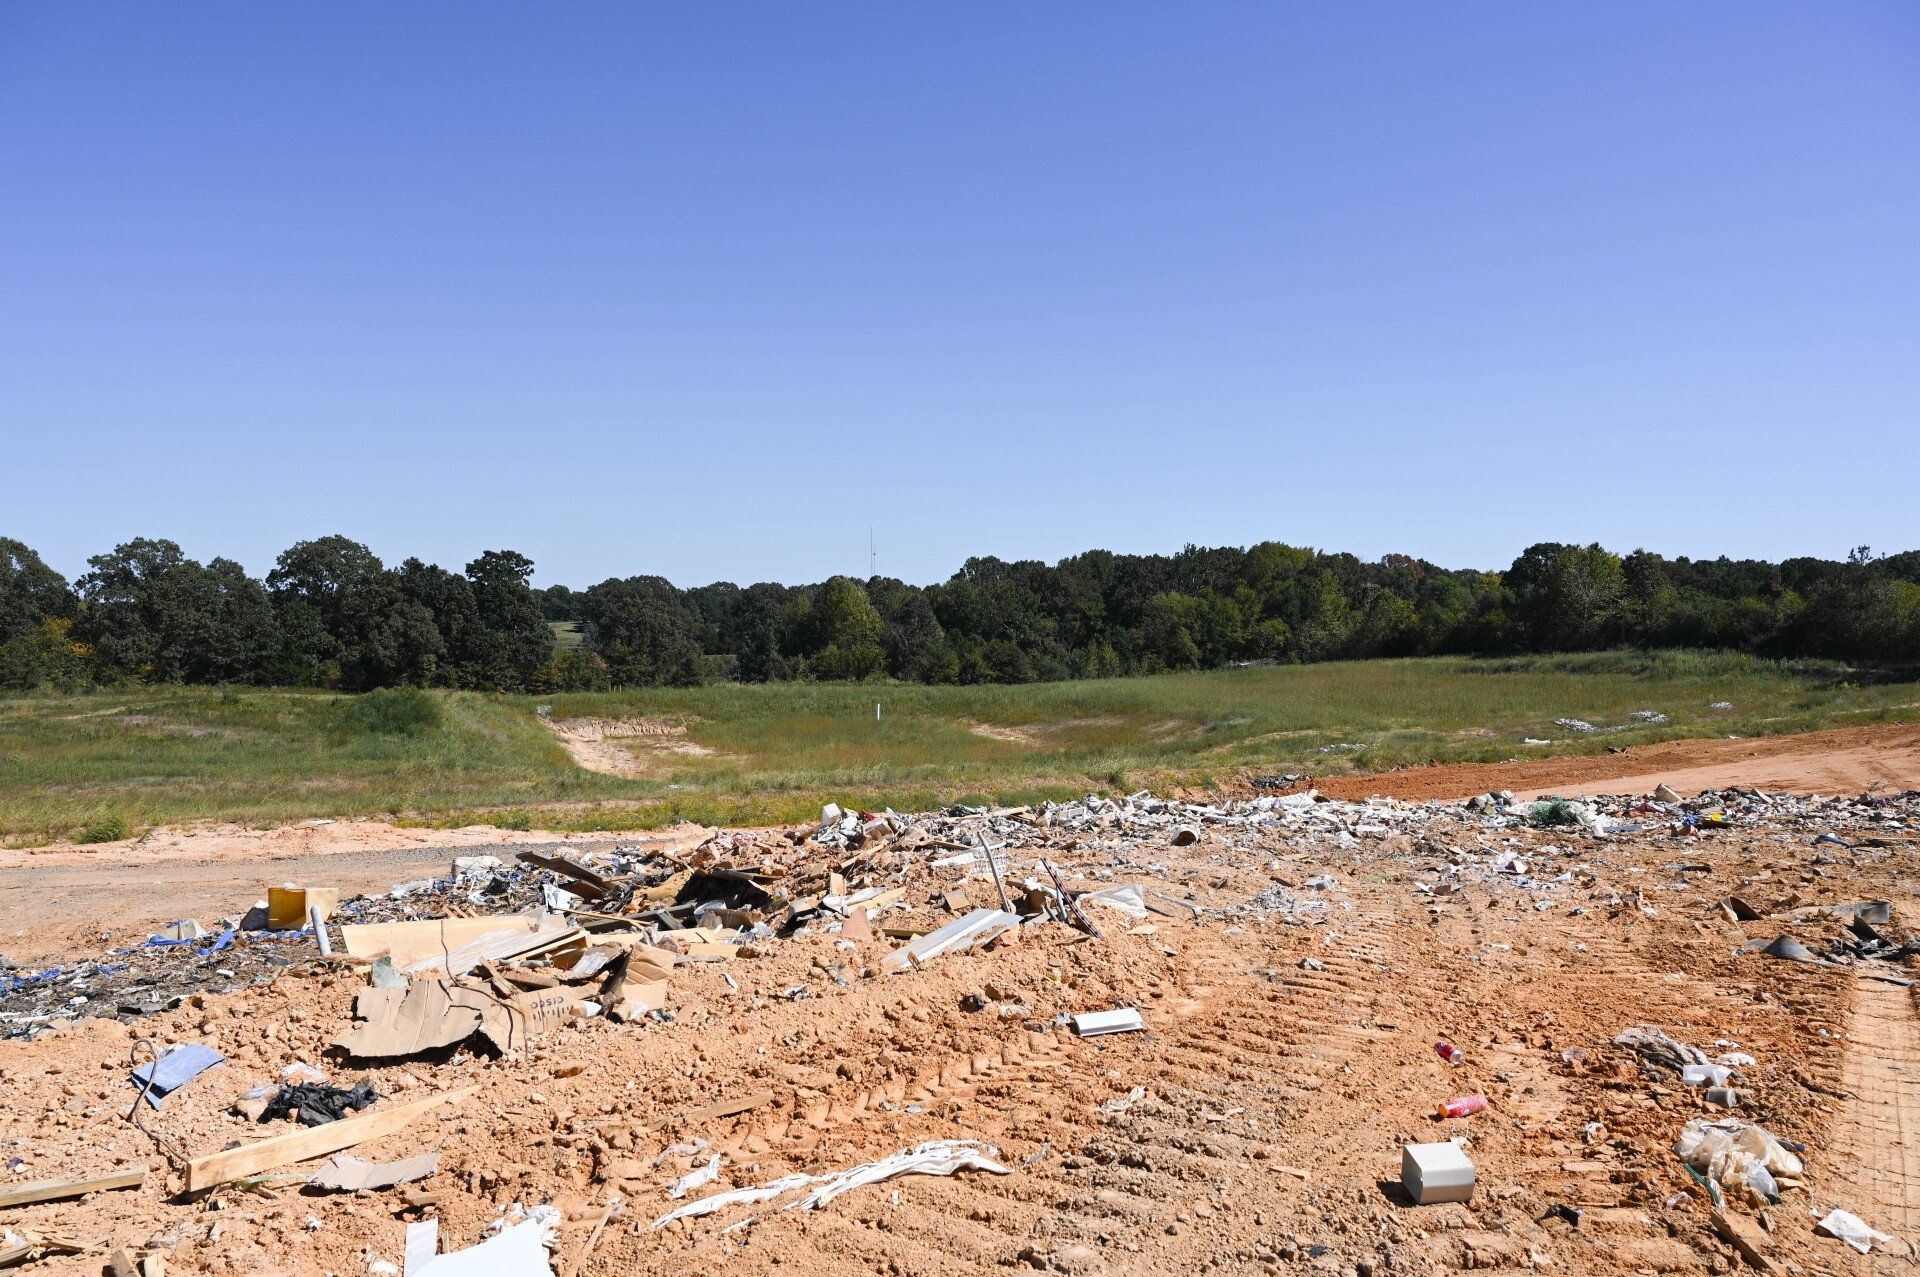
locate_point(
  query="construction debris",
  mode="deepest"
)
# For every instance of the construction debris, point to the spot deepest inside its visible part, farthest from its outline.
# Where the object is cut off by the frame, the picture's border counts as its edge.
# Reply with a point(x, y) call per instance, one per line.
point(575, 1027)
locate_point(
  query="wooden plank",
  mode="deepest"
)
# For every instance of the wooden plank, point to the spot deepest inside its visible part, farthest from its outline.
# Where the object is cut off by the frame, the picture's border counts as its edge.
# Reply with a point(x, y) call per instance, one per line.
point(583, 877)
point(725, 1108)
point(213, 1169)
point(51, 1190)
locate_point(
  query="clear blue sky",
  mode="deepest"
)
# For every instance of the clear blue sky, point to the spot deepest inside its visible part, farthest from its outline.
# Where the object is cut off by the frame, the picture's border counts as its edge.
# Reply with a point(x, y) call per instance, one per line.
point(704, 290)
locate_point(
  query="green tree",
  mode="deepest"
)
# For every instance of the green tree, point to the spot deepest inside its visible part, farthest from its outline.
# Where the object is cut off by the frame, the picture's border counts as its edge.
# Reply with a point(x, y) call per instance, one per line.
point(31, 593)
point(644, 630)
point(853, 631)
point(46, 658)
point(513, 642)
point(153, 614)
point(1566, 596)
point(379, 636)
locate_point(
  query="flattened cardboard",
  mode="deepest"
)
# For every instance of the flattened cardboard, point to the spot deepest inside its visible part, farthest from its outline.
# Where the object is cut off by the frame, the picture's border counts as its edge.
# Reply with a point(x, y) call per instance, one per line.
point(343, 1172)
point(410, 942)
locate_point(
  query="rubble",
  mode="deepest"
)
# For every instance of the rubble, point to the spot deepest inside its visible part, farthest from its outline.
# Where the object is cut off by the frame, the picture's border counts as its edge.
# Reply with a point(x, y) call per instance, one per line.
point(708, 1027)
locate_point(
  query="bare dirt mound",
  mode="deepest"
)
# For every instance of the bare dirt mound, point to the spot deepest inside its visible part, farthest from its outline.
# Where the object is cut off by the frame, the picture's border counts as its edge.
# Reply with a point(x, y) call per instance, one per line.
point(630, 747)
point(1847, 760)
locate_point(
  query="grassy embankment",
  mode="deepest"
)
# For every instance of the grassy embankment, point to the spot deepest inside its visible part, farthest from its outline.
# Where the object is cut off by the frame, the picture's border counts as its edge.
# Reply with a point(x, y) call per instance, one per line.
point(97, 763)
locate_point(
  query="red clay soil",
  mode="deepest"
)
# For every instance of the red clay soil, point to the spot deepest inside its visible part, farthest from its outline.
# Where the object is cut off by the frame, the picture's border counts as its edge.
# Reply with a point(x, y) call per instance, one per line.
point(1847, 760)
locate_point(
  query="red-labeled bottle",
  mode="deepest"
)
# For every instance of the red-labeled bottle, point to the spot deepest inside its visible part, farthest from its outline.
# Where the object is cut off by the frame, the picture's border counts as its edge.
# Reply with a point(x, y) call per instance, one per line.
point(1463, 1105)
point(1449, 1052)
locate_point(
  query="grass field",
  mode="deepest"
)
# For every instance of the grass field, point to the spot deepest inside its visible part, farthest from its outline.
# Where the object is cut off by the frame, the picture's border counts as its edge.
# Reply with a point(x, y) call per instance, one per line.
point(94, 764)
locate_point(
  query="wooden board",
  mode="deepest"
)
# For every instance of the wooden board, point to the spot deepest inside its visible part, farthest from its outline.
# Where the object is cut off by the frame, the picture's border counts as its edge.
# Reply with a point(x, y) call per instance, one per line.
point(53, 1190)
point(213, 1169)
point(586, 882)
point(725, 1108)
point(410, 942)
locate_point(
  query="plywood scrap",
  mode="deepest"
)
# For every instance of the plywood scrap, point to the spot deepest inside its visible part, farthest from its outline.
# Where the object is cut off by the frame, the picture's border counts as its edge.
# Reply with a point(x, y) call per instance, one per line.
point(57, 1190)
point(211, 1170)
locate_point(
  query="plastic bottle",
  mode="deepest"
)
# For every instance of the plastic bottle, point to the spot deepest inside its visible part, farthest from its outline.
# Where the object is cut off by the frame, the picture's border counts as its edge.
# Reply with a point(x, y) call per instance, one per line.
point(1449, 1052)
point(1463, 1105)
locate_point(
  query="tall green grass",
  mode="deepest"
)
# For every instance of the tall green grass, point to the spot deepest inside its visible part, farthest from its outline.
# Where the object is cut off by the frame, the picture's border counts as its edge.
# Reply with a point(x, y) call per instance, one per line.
point(69, 764)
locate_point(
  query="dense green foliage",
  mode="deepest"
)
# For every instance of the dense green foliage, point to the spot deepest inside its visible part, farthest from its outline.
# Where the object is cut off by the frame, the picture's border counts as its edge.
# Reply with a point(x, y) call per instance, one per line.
point(330, 614)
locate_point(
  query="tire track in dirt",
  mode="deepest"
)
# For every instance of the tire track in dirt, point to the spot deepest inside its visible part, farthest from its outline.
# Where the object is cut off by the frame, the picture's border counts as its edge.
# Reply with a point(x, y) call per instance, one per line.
point(1185, 1165)
point(1876, 1139)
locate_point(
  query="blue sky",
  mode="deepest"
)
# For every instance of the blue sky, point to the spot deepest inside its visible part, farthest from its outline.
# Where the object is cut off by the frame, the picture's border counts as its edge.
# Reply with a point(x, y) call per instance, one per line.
point(706, 290)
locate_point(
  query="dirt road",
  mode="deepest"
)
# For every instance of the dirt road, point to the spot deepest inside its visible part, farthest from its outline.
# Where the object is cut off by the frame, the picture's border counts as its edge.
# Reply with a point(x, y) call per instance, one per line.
point(41, 905)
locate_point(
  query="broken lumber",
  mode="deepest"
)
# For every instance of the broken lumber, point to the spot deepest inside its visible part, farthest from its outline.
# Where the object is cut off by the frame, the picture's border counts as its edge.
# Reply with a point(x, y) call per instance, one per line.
point(586, 882)
point(53, 1190)
point(210, 1170)
point(725, 1108)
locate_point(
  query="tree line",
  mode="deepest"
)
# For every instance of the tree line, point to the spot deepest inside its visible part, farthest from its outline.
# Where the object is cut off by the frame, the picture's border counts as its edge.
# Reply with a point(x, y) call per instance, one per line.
point(331, 614)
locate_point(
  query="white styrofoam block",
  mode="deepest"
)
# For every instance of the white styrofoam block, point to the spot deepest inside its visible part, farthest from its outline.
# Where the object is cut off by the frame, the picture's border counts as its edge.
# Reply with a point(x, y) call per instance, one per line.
point(1436, 1172)
point(1121, 1020)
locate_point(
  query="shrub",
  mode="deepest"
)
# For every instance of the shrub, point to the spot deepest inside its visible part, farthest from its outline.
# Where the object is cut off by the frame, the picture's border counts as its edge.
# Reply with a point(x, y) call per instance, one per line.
point(109, 829)
point(393, 711)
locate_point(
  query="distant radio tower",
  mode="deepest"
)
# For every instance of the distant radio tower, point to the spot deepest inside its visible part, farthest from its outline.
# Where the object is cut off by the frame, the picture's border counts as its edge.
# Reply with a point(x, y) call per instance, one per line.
point(873, 557)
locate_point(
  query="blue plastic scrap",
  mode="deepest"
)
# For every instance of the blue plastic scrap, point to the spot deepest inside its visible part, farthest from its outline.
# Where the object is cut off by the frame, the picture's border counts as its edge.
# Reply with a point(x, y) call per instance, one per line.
point(175, 1069)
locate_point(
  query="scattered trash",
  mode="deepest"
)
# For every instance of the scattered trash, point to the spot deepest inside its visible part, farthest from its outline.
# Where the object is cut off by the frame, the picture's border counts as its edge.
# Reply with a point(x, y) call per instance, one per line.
point(520, 1251)
point(1449, 1052)
point(316, 1104)
point(698, 1178)
point(1739, 1155)
point(1661, 1055)
point(1705, 1074)
point(1790, 949)
point(1462, 1106)
point(977, 928)
point(171, 1071)
point(1852, 1230)
point(937, 1157)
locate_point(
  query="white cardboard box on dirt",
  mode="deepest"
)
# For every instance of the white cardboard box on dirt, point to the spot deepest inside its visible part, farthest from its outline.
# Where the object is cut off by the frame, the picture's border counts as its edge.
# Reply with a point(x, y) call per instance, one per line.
point(1436, 1173)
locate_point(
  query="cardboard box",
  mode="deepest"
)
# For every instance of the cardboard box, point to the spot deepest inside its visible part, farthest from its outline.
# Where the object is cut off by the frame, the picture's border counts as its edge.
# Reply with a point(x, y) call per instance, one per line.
point(287, 906)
